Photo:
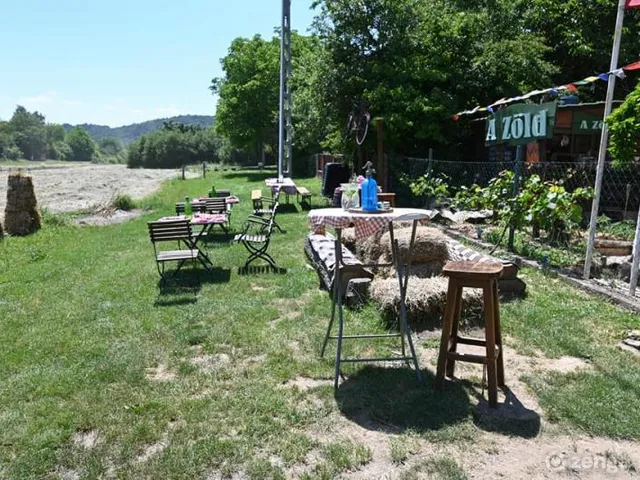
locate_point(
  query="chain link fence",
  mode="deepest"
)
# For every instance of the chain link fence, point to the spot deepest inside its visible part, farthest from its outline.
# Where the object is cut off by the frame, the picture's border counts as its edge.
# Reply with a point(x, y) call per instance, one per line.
point(620, 197)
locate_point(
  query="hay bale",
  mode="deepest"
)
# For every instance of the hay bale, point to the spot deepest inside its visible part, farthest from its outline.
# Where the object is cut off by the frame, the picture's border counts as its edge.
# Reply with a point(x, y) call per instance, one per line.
point(425, 301)
point(420, 270)
point(348, 238)
point(21, 216)
point(370, 249)
point(430, 244)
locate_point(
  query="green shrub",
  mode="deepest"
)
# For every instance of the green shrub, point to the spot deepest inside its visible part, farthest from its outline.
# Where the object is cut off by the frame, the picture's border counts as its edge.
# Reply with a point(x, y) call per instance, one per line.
point(53, 219)
point(122, 201)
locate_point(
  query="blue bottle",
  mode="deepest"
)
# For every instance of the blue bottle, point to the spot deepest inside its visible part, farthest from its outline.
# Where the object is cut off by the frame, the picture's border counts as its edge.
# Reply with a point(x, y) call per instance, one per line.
point(369, 190)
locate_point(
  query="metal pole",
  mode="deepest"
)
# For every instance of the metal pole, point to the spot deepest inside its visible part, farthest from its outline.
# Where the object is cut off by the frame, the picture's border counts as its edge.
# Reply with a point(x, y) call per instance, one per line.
point(281, 126)
point(603, 140)
point(636, 259)
point(288, 127)
point(516, 188)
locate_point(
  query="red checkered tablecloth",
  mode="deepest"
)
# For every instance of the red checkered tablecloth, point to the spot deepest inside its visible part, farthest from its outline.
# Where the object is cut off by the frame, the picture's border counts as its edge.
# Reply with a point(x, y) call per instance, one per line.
point(287, 185)
point(199, 218)
point(366, 224)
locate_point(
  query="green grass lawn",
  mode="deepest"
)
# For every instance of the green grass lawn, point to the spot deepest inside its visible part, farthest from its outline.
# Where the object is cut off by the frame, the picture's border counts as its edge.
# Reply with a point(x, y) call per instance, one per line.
point(107, 374)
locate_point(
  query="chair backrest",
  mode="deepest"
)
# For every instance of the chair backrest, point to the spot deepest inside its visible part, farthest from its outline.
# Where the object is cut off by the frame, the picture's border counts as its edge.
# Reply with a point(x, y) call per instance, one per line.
point(272, 220)
point(169, 230)
point(198, 207)
point(216, 205)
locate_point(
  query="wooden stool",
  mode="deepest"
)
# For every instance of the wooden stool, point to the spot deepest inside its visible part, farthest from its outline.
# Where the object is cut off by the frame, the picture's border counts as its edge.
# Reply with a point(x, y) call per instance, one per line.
point(477, 275)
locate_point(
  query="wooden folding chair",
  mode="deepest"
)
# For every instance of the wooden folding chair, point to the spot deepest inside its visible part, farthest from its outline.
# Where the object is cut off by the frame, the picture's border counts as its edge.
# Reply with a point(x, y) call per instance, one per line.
point(199, 207)
point(220, 206)
point(172, 231)
point(256, 237)
point(224, 193)
point(266, 207)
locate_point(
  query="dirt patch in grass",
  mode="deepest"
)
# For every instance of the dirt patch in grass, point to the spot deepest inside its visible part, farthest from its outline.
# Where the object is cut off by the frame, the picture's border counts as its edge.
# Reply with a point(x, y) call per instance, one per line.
point(210, 363)
point(160, 373)
point(87, 439)
point(305, 383)
point(108, 217)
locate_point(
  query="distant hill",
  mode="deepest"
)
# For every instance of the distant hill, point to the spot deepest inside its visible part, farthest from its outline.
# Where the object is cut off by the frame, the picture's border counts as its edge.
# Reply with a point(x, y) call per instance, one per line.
point(129, 133)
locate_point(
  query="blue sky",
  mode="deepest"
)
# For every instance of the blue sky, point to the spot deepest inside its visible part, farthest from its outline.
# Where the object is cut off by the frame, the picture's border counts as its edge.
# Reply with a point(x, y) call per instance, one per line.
point(118, 62)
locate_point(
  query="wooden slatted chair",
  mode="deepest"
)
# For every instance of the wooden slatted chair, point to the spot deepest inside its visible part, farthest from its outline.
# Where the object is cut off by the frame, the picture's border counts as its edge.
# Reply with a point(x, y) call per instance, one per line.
point(219, 205)
point(200, 208)
point(265, 207)
point(256, 237)
point(172, 231)
point(224, 193)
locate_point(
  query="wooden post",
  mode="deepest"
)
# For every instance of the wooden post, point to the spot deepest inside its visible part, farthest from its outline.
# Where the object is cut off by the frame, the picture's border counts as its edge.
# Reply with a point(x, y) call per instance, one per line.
point(204, 170)
point(183, 173)
point(382, 172)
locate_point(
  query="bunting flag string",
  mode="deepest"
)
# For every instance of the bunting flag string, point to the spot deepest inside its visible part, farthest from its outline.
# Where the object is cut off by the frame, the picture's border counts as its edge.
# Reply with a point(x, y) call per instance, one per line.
point(570, 87)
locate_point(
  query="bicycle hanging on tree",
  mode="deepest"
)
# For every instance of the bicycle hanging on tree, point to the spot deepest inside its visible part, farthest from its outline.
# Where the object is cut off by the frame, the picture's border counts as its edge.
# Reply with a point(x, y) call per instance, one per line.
point(358, 127)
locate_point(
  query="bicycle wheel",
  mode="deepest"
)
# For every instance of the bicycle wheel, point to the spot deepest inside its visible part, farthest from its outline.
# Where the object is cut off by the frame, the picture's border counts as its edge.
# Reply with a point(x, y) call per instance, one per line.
point(362, 129)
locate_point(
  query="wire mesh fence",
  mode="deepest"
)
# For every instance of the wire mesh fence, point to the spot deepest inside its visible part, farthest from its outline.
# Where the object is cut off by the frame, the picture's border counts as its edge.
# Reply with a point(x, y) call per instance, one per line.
point(620, 197)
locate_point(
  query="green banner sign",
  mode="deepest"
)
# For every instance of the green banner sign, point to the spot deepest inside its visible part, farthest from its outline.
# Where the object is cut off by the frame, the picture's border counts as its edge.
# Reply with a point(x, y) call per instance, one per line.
point(520, 124)
point(586, 123)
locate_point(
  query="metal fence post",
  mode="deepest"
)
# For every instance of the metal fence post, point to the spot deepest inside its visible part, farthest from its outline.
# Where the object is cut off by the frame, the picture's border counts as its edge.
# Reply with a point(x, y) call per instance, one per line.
point(516, 189)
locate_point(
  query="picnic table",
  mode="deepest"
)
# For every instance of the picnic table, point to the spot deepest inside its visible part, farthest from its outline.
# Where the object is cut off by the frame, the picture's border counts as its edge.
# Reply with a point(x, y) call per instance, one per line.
point(368, 224)
point(287, 186)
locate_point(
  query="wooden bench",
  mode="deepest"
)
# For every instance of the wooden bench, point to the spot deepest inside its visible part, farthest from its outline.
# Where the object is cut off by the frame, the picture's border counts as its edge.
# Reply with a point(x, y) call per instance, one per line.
point(305, 194)
point(356, 279)
point(256, 198)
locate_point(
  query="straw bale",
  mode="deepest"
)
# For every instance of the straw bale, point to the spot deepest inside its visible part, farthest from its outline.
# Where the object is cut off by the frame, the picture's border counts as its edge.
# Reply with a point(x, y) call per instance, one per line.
point(370, 249)
point(420, 270)
point(21, 216)
point(425, 301)
point(348, 237)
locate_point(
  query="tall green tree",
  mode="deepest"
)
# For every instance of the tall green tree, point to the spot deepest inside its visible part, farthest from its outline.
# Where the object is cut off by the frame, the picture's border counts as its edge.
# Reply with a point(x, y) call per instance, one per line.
point(111, 146)
point(415, 62)
point(579, 34)
point(29, 133)
point(248, 94)
point(83, 148)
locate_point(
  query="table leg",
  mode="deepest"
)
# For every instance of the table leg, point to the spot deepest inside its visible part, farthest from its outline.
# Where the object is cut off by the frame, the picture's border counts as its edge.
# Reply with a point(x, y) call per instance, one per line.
point(403, 280)
point(338, 282)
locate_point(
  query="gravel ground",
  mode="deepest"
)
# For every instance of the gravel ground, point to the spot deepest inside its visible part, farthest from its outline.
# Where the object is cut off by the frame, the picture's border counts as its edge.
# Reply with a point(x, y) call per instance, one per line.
point(69, 188)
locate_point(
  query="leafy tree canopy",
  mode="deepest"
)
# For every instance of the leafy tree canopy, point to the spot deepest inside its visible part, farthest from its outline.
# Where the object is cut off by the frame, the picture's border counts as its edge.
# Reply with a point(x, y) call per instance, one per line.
point(83, 148)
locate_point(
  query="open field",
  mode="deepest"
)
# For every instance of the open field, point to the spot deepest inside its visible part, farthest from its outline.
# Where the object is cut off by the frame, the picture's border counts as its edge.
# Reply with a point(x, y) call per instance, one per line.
point(105, 373)
point(69, 187)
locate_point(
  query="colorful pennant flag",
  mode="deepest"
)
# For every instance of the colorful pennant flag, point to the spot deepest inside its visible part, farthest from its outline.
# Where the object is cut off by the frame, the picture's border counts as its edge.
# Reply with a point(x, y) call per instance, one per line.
point(633, 66)
point(632, 4)
point(571, 87)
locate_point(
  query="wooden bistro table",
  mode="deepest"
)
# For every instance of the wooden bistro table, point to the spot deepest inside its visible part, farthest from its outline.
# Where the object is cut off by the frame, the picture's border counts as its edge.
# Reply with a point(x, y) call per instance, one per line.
point(206, 220)
point(367, 224)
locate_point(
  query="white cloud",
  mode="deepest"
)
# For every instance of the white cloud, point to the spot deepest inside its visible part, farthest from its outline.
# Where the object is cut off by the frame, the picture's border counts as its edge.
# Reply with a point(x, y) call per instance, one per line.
point(43, 98)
